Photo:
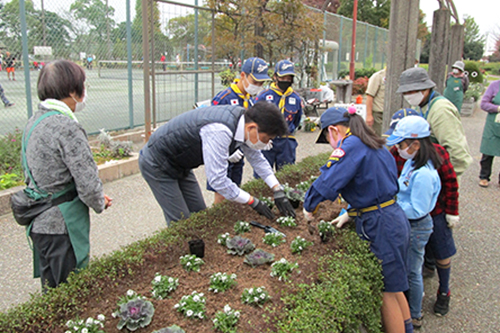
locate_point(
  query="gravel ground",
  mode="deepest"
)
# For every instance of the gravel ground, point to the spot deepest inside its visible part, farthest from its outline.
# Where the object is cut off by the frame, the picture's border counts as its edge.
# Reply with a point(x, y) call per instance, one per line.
point(135, 215)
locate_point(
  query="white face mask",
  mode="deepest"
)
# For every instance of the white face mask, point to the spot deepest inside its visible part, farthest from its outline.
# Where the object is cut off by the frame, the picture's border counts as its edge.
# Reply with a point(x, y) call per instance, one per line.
point(81, 105)
point(404, 153)
point(259, 145)
point(456, 71)
point(414, 99)
point(253, 89)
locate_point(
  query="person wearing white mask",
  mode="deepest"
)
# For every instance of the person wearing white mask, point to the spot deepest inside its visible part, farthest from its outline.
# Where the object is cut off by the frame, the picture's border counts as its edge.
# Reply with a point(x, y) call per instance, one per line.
point(209, 136)
point(457, 84)
point(59, 161)
point(446, 126)
point(241, 92)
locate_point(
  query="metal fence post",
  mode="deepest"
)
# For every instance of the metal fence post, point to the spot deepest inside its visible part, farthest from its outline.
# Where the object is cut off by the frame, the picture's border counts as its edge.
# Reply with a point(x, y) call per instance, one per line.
point(26, 60)
point(129, 69)
point(145, 72)
point(196, 51)
point(340, 43)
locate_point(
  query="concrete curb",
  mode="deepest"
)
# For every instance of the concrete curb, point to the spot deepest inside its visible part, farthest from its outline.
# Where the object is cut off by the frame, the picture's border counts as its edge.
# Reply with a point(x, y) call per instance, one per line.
point(107, 172)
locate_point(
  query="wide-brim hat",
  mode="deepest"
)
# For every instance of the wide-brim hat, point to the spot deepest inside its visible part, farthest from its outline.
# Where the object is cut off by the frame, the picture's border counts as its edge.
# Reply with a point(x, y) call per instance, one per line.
point(257, 68)
point(396, 117)
point(414, 79)
point(284, 67)
point(332, 116)
point(411, 127)
point(459, 65)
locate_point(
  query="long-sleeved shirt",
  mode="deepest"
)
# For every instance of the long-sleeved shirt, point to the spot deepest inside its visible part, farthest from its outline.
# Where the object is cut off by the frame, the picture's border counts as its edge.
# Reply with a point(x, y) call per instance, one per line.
point(58, 153)
point(418, 190)
point(216, 140)
point(448, 197)
point(487, 101)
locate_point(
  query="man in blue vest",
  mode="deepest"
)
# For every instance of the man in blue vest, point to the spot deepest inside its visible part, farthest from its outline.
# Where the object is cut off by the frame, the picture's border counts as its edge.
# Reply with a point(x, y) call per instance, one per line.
point(209, 136)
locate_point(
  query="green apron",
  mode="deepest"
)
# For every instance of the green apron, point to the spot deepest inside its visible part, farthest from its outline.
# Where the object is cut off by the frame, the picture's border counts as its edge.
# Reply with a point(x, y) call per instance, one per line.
point(490, 144)
point(75, 213)
point(455, 91)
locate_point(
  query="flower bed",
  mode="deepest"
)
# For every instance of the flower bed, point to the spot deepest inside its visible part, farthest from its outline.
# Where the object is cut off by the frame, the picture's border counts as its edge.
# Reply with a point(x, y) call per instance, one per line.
point(355, 300)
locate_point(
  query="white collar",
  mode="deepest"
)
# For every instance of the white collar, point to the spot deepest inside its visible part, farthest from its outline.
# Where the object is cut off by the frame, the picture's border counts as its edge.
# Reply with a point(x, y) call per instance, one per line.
point(240, 130)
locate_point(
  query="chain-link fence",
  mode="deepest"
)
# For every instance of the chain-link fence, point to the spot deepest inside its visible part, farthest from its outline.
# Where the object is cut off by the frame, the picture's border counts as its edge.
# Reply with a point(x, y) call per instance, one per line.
point(105, 37)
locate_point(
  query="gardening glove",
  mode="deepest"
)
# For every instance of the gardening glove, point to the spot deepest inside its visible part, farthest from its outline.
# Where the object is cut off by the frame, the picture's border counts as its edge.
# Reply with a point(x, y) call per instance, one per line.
point(282, 202)
point(452, 220)
point(341, 220)
point(236, 156)
point(261, 208)
point(307, 215)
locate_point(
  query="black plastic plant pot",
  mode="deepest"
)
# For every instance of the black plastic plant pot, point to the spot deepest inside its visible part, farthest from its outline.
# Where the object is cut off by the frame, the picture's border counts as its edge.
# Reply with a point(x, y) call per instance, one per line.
point(295, 203)
point(197, 247)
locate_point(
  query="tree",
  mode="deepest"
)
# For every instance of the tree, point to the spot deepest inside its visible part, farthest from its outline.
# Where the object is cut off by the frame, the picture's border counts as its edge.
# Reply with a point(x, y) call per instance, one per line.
point(329, 5)
point(473, 40)
point(181, 30)
point(375, 12)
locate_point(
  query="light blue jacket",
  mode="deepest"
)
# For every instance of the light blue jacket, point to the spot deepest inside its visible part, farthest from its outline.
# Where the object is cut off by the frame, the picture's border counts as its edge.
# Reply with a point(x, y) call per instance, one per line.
point(418, 189)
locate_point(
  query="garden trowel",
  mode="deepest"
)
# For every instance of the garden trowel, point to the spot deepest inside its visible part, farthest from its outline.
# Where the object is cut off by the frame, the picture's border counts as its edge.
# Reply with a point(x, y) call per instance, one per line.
point(267, 228)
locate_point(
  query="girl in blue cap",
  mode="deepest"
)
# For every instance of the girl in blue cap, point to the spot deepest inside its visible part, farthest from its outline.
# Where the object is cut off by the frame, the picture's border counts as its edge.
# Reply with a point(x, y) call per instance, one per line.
point(419, 187)
point(363, 171)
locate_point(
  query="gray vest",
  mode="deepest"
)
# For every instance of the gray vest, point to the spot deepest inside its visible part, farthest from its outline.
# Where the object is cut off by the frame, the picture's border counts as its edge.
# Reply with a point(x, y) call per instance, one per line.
point(176, 146)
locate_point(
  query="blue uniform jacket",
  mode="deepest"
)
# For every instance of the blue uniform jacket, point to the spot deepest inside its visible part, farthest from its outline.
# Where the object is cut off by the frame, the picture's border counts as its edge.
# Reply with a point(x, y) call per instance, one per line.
point(363, 176)
point(293, 107)
point(229, 97)
point(418, 189)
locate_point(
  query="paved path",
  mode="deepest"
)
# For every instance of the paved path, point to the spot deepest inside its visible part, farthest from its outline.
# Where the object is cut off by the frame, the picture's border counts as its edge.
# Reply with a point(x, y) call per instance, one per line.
point(475, 281)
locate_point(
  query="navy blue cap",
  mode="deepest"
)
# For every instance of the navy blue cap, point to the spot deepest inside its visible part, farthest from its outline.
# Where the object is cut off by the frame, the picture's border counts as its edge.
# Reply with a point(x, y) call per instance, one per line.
point(411, 127)
point(400, 114)
point(257, 68)
point(284, 67)
point(332, 116)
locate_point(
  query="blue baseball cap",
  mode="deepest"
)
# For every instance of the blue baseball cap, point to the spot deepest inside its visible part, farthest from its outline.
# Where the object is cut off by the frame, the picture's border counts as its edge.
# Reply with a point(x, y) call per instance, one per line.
point(284, 67)
point(332, 116)
point(411, 127)
point(400, 114)
point(257, 68)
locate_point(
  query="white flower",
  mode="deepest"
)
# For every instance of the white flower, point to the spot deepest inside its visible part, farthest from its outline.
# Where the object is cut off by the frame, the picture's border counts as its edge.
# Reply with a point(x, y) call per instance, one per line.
point(69, 323)
point(200, 315)
point(283, 260)
point(223, 278)
point(76, 328)
point(255, 299)
point(188, 264)
point(279, 278)
point(215, 321)
point(218, 241)
point(176, 306)
point(300, 248)
point(233, 276)
point(170, 280)
point(101, 317)
point(237, 314)
point(189, 313)
point(250, 290)
point(263, 296)
point(130, 293)
point(215, 291)
point(85, 330)
point(227, 308)
point(194, 292)
point(67, 332)
point(201, 294)
point(259, 290)
point(196, 298)
point(183, 303)
point(158, 278)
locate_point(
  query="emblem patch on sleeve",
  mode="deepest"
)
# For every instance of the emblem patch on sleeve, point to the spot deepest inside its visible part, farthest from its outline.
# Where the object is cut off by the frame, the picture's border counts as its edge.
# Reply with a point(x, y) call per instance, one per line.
point(338, 153)
point(269, 97)
point(234, 102)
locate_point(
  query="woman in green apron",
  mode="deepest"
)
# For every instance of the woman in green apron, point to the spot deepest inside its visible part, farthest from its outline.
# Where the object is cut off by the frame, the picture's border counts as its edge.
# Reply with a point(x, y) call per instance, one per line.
point(457, 84)
point(490, 144)
point(57, 160)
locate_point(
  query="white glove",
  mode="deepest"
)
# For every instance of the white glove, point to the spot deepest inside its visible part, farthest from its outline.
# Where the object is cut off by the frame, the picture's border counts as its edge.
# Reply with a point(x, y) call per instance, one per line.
point(341, 220)
point(452, 220)
point(236, 156)
point(307, 215)
point(269, 145)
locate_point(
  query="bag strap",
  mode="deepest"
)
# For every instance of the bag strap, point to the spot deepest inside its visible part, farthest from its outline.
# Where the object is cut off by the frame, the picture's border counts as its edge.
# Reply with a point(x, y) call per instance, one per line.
point(24, 145)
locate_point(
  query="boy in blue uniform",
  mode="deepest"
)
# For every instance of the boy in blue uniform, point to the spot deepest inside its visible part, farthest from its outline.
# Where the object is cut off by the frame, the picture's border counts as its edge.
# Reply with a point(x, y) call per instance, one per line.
point(241, 92)
point(362, 170)
point(289, 102)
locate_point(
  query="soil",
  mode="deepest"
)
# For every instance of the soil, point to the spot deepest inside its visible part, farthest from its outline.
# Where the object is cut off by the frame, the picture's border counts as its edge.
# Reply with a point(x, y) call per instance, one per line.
point(218, 260)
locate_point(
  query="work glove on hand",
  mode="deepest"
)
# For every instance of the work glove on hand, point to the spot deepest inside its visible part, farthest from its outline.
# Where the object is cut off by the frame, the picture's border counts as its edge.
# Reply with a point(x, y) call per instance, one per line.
point(236, 156)
point(307, 215)
point(341, 220)
point(283, 204)
point(261, 208)
point(452, 220)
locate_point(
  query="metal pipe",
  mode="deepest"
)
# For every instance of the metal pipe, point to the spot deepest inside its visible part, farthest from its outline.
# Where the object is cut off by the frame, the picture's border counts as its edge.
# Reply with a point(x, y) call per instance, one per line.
point(129, 69)
point(353, 43)
point(26, 60)
point(195, 51)
point(145, 72)
point(153, 62)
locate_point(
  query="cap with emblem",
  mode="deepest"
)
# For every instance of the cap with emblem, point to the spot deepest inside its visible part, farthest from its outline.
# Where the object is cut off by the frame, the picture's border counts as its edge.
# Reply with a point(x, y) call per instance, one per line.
point(411, 127)
point(257, 68)
point(400, 114)
point(414, 79)
point(284, 67)
point(332, 116)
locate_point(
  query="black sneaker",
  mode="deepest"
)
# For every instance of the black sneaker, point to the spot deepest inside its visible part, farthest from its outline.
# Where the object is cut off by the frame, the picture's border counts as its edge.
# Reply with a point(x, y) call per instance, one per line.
point(417, 322)
point(8, 105)
point(442, 305)
point(428, 272)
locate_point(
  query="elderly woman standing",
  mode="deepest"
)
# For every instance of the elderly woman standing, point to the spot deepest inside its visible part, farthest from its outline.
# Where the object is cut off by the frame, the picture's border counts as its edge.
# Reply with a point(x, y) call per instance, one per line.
point(490, 144)
point(59, 160)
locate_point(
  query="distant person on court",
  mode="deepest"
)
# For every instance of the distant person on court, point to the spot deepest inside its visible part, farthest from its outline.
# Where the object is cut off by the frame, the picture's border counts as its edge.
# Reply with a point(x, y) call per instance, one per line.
point(163, 63)
point(375, 99)
point(60, 161)
point(5, 101)
point(281, 94)
point(10, 66)
point(241, 92)
point(89, 62)
point(490, 143)
point(208, 136)
point(457, 84)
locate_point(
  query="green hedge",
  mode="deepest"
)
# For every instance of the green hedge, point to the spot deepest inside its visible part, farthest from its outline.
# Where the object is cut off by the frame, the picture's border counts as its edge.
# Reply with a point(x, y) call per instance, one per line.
point(349, 286)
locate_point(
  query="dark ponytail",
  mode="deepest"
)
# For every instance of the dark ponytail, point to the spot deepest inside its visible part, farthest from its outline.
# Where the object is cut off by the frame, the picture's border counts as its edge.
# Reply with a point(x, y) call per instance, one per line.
point(362, 131)
point(426, 152)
